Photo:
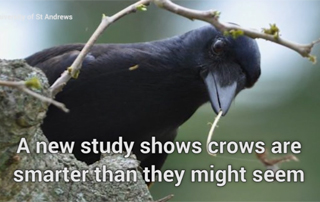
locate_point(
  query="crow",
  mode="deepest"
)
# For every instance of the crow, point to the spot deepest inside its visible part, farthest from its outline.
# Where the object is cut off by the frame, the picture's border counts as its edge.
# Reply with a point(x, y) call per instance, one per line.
point(172, 79)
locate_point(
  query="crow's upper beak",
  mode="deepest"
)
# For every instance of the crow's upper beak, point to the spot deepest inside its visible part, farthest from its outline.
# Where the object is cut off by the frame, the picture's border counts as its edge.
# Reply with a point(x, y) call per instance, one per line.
point(221, 97)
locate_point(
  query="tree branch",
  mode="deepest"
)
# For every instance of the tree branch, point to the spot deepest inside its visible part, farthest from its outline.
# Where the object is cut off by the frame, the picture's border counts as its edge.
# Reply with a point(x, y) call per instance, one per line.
point(21, 85)
point(165, 199)
point(212, 17)
point(74, 70)
point(20, 117)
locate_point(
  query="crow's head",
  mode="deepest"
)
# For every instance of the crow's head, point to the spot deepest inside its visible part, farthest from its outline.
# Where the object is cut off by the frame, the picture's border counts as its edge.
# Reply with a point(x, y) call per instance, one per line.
point(226, 65)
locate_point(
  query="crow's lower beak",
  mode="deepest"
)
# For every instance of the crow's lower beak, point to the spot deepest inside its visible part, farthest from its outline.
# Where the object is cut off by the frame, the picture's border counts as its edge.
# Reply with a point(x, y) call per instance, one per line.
point(221, 97)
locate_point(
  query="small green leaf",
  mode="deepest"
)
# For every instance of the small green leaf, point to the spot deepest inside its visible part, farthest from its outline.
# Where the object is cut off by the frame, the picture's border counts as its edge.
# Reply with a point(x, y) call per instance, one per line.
point(33, 83)
point(141, 7)
point(313, 59)
point(216, 14)
point(226, 33)
point(69, 69)
point(273, 30)
point(236, 33)
point(75, 75)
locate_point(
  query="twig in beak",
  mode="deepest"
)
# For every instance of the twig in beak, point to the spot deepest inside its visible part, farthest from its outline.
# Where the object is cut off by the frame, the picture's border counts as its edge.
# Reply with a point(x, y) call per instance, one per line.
point(213, 126)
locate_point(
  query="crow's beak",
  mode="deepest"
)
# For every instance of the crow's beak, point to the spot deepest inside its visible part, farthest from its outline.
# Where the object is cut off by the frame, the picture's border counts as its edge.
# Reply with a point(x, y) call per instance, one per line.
point(221, 97)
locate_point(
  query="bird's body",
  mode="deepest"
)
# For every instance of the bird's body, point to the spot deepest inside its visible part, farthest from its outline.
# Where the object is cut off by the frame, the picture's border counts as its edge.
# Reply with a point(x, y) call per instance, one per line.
point(169, 85)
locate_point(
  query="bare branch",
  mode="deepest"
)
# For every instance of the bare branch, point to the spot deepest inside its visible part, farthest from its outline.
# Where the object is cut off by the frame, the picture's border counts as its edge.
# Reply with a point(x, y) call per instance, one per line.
point(273, 164)
point(46, 99)
point(21, 85)
point(212, 17)
point(316, 41)
point(165, 199)
point(73, 71)
point(14, 84)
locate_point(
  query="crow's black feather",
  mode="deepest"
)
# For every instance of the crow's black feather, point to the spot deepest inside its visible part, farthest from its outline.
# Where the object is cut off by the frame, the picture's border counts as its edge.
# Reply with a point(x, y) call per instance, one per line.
point(171, 82)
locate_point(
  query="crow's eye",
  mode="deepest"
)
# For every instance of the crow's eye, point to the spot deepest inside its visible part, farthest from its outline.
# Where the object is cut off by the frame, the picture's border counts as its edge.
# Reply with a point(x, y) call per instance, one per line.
point(218, 46)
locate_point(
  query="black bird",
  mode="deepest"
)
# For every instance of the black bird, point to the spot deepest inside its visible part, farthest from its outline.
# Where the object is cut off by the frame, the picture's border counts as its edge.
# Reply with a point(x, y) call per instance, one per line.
point(174, 78)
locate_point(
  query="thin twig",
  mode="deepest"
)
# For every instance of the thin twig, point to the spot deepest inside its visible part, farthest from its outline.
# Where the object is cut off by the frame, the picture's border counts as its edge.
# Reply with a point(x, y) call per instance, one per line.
point(76, 65)
point(266, 161)
point(214, 125)
point(21, 85)
point(14, 84)
point(212, 17)
point(46, 99)
point(316, 41)
point(165, 199)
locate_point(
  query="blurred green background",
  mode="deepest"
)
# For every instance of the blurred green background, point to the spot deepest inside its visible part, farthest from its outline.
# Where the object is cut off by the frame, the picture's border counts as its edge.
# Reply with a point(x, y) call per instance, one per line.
point(284, 105)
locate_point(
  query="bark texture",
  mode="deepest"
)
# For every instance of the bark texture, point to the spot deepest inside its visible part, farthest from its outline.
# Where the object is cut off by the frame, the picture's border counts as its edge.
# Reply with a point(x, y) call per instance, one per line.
point(20, 117)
